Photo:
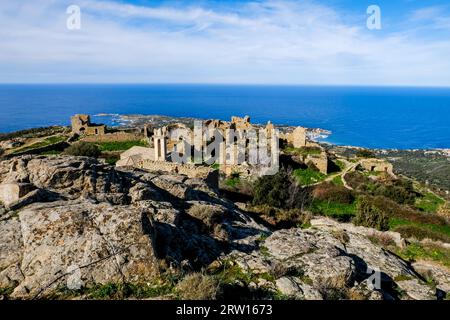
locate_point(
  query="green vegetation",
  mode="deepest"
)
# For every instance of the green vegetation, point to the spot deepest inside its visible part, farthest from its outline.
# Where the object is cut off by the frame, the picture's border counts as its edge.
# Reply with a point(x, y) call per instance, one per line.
point(33, 133)
point(417, 251)
point(308, 176)
point(233, 180)
point(340, 211)
point(332, 193)
point(339, 164)
point(420, 230)
point(304, 151)
point(50, 153)
point(111, 158)
point(215, 166)
point(121, 145)
point(337, 181)
point(429, 202)
point(401, 190)
point(46, 142)
point(427, 167)
point(83, 149)
point(280, 191)
point(364, 153)
point(117, 291)
point(368, 215)
point(6, 292)
point(234, 282)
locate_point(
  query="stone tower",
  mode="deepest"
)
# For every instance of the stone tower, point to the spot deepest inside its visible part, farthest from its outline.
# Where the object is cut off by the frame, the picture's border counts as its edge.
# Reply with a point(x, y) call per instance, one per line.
point(160, 145)
point(299, 137)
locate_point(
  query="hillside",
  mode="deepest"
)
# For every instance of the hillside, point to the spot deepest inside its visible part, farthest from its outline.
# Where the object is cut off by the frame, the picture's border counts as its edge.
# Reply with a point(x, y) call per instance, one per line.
point(74, 227)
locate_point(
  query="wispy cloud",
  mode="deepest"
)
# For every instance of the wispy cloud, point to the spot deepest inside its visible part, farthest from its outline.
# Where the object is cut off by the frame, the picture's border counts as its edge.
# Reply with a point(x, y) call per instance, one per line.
point(250, 42)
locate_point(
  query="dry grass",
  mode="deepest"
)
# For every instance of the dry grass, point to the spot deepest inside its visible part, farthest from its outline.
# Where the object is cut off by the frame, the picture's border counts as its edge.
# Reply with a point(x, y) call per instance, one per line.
point(341, 235)
point(198, 286)
point(334, 288)
point(382, 239)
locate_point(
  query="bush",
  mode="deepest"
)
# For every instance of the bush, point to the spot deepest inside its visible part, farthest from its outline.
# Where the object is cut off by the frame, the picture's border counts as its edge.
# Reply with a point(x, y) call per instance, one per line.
point(401, 191)
point(420, 233)
point(280, 191)
point(334, 193)
point(368, 215)
point(2, 151)
point(83, 149)
point(198, 286)
point(364, 153)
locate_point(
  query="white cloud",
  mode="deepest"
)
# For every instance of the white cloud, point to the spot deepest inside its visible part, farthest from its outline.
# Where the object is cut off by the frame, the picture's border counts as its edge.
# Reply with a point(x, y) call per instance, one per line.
point(260, 42)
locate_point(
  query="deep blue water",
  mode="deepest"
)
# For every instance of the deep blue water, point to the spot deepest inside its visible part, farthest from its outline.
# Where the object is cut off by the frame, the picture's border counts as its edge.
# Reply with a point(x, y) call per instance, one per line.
point(373, 117)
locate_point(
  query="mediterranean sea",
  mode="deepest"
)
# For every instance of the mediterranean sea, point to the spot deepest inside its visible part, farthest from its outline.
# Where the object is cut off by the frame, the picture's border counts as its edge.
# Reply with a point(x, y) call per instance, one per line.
point(373, 117)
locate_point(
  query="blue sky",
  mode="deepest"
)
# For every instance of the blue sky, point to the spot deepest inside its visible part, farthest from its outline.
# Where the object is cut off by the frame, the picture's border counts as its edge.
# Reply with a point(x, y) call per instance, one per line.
point(250, 42)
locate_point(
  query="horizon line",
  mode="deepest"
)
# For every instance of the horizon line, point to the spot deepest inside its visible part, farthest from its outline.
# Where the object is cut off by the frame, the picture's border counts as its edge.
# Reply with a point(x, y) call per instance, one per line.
point(223, 84)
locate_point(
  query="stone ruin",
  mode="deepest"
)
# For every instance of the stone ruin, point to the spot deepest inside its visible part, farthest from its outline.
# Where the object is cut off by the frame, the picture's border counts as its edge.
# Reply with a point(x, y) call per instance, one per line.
point(81, 125)
point(157, 157)
point(377, 165)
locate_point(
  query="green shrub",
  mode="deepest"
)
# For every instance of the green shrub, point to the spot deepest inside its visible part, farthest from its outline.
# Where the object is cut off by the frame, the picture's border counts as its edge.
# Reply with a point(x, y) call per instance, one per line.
point(364, 153)
point(330, 192)
point(280, 191)
point(83, 149)
point(368, 215)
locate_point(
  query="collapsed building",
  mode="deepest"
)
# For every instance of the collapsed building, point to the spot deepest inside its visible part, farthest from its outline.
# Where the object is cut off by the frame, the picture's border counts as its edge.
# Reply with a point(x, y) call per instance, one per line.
point(81, 125)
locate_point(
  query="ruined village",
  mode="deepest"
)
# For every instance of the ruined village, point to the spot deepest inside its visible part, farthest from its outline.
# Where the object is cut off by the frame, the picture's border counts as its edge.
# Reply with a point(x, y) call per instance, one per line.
point(97, 212)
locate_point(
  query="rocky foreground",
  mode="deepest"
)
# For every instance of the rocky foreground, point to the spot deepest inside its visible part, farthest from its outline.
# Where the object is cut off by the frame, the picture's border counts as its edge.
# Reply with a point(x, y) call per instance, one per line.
point(60, 216)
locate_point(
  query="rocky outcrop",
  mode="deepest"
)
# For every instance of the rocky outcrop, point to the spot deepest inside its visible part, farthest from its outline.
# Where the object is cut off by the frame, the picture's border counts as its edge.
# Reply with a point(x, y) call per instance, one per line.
point(77, 222)
point(328, 258)
point(106, 225)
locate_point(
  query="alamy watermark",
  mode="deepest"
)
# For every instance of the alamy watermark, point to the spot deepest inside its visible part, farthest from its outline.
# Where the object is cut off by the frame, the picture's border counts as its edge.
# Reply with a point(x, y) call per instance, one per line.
point(374, 19)
point(73, 21)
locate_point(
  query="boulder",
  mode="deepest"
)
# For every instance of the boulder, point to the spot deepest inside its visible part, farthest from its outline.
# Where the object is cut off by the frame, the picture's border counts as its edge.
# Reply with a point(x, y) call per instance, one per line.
point(12, 192)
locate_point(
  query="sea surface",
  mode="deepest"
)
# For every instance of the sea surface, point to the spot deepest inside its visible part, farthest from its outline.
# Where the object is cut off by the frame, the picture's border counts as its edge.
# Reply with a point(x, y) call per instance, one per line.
point(373, 117)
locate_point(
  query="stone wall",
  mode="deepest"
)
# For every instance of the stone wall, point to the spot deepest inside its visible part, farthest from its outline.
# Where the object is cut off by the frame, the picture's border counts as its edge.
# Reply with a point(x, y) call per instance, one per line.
point(377, 165)
point(210, 175)
point(319, 161)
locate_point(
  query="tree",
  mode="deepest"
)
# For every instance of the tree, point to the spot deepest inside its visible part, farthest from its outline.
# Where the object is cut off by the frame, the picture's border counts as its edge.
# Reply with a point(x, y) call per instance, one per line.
point(280, 190)
point(83, 149)
point(368, 215)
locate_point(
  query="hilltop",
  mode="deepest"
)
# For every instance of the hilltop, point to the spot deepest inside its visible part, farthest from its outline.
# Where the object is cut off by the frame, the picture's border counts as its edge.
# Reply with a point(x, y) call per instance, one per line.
point(74, 224)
